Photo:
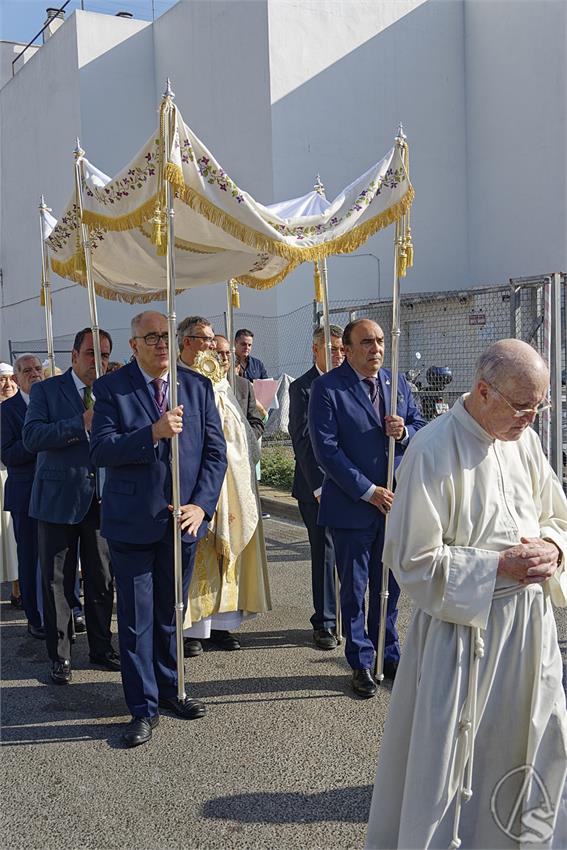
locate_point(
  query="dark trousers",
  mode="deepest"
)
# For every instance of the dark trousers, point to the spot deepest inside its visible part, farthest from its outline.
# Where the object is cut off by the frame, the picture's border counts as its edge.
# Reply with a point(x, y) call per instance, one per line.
point(25, 532)
point(359, 562)
point(58, 547)
point(322, 568)
point(145, 602)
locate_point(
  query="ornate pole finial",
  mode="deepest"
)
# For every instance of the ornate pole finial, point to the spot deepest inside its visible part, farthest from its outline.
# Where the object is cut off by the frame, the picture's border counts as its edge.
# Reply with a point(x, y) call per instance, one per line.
point(79, 152)
point(168, 90)
point(319, 187)
point(400, 135)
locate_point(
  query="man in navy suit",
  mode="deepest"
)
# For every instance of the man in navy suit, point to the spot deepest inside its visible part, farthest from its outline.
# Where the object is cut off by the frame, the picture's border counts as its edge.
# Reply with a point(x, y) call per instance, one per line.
point(20, 465)
point(247, 366)
point(132, 430)
point(349, 428)
point(65, 502)
point(307, 483)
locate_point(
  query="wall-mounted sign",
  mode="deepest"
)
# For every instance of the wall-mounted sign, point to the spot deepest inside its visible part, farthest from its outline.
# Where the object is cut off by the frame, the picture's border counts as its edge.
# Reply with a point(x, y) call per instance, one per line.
point(477, 319)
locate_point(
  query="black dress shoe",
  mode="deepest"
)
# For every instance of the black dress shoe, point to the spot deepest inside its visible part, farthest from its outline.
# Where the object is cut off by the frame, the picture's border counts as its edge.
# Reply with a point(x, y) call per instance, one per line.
point(325, 639)
point(191, 709)
point(192, 647)
point(79, 623)
point(363, 684)
point(36, 631)
point(61, 672)
point(390, 669)
point(16, 601)
point(139, 730)
point(109, 660)
point(224, 640)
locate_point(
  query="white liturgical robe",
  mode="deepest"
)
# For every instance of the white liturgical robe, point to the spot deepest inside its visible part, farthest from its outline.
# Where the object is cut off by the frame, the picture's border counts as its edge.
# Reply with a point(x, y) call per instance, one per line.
point(481, 653)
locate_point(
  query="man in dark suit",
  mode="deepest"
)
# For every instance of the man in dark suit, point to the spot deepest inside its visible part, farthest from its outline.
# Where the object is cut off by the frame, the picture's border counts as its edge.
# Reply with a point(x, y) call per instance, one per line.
point(349, 428)
point(132, 429)
point(243, 389)
point(307, 483)
point(20, 465)
point(65, 502)
point(247, 366)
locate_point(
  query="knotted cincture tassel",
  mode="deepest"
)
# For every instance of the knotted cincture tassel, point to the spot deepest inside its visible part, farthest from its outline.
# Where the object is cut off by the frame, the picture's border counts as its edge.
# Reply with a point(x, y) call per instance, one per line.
point(156, 229)
point(234, 295)
point(317, 283)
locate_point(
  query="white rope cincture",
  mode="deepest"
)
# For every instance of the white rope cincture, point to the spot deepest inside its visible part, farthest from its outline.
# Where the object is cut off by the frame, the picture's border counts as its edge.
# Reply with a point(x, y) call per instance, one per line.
point(467, 729)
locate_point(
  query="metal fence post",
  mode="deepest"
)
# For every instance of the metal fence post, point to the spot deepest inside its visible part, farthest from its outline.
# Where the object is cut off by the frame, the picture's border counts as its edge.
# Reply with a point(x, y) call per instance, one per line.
point(556, 455)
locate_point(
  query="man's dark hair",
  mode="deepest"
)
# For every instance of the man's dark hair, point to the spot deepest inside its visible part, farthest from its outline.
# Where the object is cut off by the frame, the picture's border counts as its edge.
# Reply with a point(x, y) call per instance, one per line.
point(82, 334)
point(243, 332)
point(351, 326)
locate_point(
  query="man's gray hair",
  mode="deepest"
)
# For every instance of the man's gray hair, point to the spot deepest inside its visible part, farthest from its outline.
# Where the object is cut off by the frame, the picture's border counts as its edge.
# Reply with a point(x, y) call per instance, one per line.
point(506, 359)
point(188, 326)
point(319, 333)
point(139, 318)
point(19, 360)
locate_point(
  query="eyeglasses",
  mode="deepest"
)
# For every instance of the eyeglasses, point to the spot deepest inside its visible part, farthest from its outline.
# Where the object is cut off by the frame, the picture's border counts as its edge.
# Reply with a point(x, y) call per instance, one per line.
point(196, 336)
point(528, 411)
point(153, 339)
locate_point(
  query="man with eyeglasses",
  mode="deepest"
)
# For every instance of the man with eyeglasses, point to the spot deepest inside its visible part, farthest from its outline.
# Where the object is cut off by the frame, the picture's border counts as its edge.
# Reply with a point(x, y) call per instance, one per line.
point(20, 465)
point(131, 438)
point(194, 334)
point(474, 751)
point(66, 502)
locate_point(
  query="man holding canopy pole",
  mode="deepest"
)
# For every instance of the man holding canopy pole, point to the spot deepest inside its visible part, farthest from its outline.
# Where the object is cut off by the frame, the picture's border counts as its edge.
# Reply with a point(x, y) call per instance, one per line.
point(131, 437)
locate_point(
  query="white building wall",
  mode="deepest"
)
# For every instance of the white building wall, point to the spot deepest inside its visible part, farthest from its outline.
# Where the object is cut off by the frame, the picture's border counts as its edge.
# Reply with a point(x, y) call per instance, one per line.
point(516, 108)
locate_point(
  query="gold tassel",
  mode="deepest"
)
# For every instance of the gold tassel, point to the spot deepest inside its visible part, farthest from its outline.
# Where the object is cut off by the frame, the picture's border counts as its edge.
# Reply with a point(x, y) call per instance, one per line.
point(235, 295)
point(80, 263)
point(156, 229)
point(317, 283)
point(402, 261)
point(161, 249)
point(42, 297)
point(409, 248)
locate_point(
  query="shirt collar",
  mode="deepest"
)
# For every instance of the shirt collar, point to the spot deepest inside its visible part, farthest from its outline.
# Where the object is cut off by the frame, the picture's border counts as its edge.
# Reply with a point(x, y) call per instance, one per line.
point(363, 377)
point(25, 396)
point(78, 383)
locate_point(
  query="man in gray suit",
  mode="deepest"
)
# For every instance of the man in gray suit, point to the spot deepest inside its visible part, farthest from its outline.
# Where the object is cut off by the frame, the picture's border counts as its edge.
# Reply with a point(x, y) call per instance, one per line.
point(66, 502)
point(243, 389)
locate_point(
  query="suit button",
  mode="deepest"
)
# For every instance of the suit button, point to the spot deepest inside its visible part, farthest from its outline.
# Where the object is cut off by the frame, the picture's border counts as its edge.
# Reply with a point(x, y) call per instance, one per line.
point(90, 475)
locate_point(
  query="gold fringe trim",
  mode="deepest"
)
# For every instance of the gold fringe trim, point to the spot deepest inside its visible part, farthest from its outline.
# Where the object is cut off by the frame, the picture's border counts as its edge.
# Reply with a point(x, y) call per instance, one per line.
point(130, 221)
point(345, 244)
point(66, 269)
point(268, 282)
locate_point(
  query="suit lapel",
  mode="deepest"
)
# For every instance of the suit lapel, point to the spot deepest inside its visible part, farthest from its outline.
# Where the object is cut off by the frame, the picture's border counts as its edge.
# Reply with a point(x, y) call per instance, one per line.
point(21, 407)
point(359, 391)
point(71, 392)
point(386, 387)
point(141, 391)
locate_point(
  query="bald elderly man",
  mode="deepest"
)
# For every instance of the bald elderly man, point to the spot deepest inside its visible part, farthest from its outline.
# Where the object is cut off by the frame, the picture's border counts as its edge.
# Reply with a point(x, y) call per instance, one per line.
point(474, 753)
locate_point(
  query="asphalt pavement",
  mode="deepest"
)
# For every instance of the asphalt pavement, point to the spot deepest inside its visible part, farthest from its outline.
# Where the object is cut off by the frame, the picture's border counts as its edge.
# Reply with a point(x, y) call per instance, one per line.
point(284, 758)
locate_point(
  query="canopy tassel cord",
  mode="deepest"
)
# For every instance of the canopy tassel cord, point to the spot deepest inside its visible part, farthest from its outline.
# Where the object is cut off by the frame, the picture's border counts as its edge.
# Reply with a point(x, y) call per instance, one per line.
point(159, 220)
point(230, 331)
point(317, 283)
point(408, 244)
point(235, 294)
point(467, 733)
point(87, 256)
point(45, 298)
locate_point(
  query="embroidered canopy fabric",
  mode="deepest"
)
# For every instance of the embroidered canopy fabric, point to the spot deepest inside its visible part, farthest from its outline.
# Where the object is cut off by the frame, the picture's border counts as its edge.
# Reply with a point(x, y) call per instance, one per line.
point(221, 232)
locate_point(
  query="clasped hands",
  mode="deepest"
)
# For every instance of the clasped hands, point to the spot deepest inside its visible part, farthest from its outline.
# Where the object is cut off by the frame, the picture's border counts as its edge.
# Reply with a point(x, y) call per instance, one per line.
point(531, 561)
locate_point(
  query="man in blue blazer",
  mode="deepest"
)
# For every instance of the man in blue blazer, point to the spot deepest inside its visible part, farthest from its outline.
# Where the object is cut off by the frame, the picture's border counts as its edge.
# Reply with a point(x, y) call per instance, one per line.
point(20, 465)
point(349, 428)
point(65, 501)
point(307, 483)
point(247, 366)
point(132, 430)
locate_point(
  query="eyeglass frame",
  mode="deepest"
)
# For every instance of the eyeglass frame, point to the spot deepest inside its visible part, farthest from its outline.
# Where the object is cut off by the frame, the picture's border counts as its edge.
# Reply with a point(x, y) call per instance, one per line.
point(196, 336)
point(528, 411)
point(160, 337)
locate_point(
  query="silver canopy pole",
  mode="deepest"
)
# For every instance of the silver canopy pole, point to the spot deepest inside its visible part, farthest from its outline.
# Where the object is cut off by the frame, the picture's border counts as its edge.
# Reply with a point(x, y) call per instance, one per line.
point(46, 286)
point(86, 245)
point(398, 244)
point(328, 366)
point(168, 111)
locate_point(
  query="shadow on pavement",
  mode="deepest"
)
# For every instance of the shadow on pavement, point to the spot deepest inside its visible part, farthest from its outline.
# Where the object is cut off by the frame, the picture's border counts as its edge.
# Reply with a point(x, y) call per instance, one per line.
point(343, 805)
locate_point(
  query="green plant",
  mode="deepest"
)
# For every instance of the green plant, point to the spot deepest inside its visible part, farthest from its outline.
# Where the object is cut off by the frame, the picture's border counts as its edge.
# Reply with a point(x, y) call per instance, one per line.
point(277, 468)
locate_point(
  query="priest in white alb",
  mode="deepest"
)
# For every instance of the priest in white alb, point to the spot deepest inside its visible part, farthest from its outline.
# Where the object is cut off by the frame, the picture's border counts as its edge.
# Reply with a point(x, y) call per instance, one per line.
point(474, 753)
